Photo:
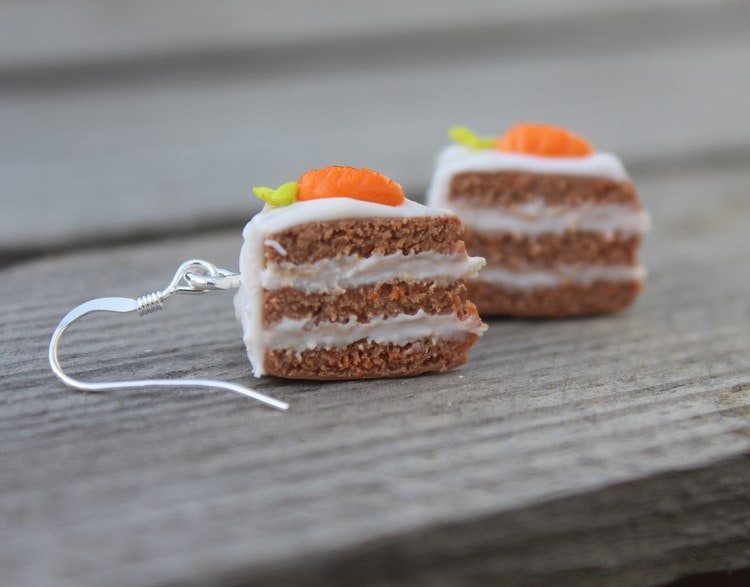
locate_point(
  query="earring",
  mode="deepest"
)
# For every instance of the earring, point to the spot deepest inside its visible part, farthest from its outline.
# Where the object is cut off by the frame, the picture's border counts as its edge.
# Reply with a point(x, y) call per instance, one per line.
point(341, 277)
point(192, 277)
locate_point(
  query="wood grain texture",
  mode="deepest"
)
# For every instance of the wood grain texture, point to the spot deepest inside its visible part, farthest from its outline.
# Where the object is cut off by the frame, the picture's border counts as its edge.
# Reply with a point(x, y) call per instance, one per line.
point(608, 451)
point(161, 151)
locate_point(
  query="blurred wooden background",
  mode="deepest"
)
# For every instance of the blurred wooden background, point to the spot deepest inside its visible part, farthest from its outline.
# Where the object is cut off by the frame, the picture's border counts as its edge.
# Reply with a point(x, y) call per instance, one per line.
point(150, 117)
point(606, 451)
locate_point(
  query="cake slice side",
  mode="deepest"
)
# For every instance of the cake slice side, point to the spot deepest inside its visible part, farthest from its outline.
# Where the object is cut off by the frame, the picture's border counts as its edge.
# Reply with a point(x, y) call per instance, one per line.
point(560, 234)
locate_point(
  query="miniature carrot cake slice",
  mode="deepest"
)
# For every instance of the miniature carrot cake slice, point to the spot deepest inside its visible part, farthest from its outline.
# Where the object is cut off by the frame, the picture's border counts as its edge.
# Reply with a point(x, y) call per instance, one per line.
point(344, 278)
point(559, 224)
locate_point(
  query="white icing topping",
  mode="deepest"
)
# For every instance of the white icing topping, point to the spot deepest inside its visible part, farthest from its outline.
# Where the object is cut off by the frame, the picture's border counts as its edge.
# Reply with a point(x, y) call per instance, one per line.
point(536, 217)
point(300, 335)
point(277, 218)
point(458, 159)
point(560, 275)
point(352, 271)
point(272, 219)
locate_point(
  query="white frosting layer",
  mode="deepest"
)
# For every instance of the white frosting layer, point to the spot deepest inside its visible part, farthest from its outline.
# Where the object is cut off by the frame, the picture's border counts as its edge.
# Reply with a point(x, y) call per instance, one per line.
point(458, 159)
point(561, 275)
point(534, 218)
point(248, 300)
point(352, 271)
point(276, 218)
point(300, 335)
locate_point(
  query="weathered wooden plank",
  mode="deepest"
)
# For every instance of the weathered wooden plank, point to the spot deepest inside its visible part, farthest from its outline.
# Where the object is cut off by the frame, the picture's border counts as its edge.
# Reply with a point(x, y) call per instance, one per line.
point(615, 542)
point(111, 161)
point(608, 449)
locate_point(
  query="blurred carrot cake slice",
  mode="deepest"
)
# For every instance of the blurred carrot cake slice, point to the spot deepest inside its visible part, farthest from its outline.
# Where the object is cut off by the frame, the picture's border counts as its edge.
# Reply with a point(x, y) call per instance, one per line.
point(559, 223)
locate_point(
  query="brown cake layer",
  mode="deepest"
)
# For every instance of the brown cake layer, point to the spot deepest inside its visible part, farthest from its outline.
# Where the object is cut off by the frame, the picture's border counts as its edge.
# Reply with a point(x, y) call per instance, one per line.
point(369, 360)
point(599, 297)
point(313, 241)
point(506, 188)
point(546, 250)
point(364, 302)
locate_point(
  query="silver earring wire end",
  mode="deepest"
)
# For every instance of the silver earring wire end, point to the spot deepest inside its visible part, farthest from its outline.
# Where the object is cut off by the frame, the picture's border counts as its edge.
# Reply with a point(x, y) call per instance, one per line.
point(192, 277)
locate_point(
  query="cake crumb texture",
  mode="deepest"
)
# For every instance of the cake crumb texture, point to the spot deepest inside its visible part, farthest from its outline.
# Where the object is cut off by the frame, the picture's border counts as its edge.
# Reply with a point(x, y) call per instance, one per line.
point(365, 359)
point(507, 188)
point(514, 251)
point(364, 303)
point(365, 237)
point(600, 297)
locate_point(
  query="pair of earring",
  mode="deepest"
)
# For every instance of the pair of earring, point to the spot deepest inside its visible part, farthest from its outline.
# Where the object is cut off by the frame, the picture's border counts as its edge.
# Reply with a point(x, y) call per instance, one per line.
point(341, 277)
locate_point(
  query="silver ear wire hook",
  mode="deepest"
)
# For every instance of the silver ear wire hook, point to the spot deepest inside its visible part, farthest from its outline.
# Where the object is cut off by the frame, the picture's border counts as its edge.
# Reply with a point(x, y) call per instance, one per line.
point(192, 277)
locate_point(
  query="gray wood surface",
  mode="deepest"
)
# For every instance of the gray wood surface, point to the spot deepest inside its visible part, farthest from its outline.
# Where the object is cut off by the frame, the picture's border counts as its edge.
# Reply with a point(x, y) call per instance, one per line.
point(604, 451)
point(49, 33)
point(583, 449)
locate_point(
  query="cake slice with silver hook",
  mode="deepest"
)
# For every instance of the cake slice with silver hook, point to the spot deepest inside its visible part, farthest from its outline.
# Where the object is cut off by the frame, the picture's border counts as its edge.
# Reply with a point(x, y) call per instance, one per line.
point(192, 277)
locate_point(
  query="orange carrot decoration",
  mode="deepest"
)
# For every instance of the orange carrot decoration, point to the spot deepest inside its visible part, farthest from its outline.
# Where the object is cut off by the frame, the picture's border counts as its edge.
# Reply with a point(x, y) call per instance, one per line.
point(360, 184)
point(335, 181)
point(543, 140)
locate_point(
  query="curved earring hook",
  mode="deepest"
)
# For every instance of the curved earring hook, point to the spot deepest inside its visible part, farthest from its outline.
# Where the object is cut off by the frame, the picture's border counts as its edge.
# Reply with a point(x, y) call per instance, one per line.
point(193, 277)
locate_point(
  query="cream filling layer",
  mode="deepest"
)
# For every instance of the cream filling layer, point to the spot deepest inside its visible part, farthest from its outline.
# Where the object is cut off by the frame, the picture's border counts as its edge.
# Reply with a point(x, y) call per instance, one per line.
point(301, 335)
point(535, 218)
point(352, 271)
point(561, 275)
